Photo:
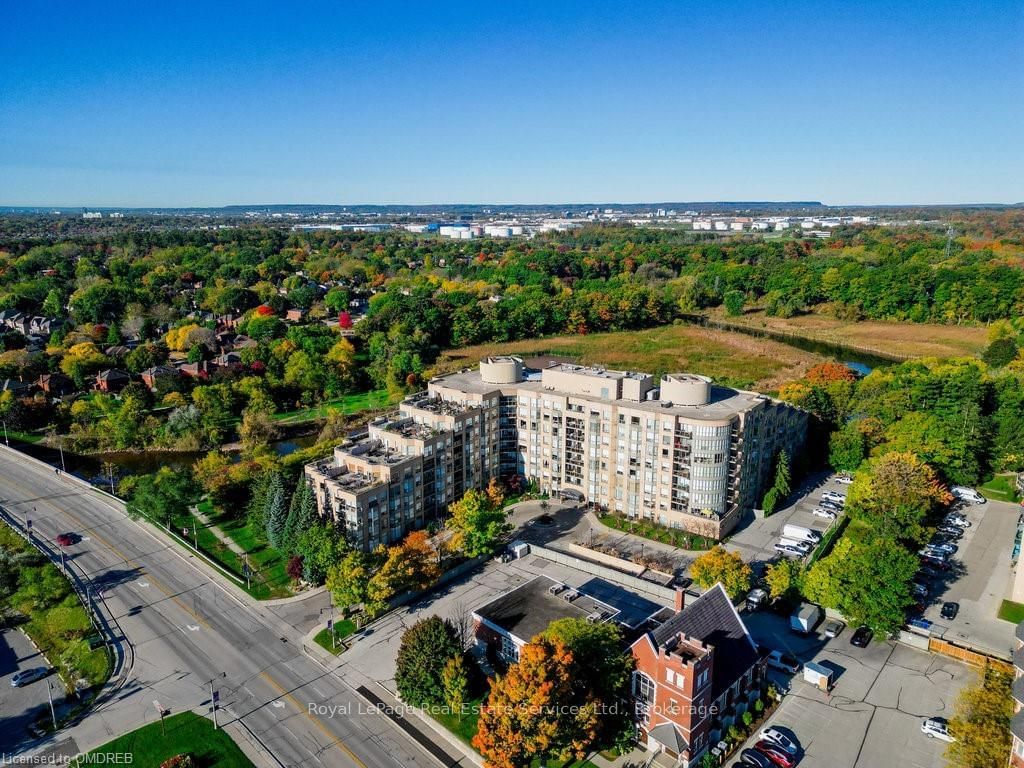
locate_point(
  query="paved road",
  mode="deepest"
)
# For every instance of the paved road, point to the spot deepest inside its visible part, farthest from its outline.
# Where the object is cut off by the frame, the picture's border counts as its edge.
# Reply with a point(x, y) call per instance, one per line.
point(184, 629)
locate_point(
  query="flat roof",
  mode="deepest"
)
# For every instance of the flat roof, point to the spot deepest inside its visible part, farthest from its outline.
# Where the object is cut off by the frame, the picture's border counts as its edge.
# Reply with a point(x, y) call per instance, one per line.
point(529, 609)
point(724, 401)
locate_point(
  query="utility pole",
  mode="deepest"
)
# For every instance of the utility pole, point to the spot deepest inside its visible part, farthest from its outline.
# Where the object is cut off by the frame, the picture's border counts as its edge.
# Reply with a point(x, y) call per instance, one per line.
point(60, 445)
point(49, 695)
point(214, 699)
point(6, 441)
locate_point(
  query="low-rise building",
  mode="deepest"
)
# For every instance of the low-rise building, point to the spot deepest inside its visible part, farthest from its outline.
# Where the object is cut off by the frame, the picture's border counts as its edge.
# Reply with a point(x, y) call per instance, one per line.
point(112, 380)
point(1017, 721)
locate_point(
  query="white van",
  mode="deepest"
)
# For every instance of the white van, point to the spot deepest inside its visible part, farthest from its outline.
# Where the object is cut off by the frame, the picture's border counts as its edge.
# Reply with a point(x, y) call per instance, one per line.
point(967, 494)
point(800, 533)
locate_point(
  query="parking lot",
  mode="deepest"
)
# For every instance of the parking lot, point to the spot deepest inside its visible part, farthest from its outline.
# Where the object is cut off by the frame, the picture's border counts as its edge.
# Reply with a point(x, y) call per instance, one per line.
point(756, 541)
point(872, 716)
point(20, 706)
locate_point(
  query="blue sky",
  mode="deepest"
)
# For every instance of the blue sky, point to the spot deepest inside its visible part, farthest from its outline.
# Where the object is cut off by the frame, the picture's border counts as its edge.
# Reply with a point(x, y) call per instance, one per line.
point(110, 103)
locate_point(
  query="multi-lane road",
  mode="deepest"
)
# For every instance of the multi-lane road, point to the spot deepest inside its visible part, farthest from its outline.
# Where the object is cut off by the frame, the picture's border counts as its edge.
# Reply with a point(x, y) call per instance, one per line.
point(181, 628)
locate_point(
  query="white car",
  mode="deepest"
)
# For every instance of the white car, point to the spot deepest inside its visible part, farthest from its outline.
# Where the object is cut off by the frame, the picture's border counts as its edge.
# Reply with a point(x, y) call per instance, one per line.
point(957, 520)
point(936, 728)
point(844, 479)
point(947, 547)
point(822, 512)
point(788, 550)
point(777, 738)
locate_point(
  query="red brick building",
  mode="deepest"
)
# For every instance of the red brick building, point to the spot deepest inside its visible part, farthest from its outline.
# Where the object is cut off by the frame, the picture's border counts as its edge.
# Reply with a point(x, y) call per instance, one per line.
point(696, 674)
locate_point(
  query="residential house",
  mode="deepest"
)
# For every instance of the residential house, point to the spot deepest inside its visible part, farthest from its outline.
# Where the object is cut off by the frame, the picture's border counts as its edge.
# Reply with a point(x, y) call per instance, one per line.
point(151, 376)
point(56, 384)
point(112, 380)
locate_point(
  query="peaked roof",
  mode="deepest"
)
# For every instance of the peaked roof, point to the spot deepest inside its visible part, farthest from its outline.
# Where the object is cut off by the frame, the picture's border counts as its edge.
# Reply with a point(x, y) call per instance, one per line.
point(713, 619)
point(668, 735)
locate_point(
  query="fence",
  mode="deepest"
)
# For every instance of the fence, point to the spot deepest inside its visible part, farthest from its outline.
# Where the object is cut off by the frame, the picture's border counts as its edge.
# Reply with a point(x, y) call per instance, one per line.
point(967, 655)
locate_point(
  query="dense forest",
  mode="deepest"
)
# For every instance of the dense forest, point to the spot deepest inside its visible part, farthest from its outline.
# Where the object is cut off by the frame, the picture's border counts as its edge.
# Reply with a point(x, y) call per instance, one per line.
point(160, 296)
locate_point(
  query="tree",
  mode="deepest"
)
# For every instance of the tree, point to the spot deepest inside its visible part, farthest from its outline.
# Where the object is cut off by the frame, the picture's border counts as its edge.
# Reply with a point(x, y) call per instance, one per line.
point(212, 474)
point(423, 653)
point(981, 725)
point(720, 565)
point(455, 684)
point(477, 523)
point(826, 373)
point(495, 493)
point(782, 475)
point(320, 545)
point(733, 301)
point(349, 578)
point(770, 501)
point(160, 496)
point(784, 578)
point(411, 565)
point(847, 447)
point(276, 511)
point(896, 493)
point(868, 582)
point(1000, 352)
point(294, 568)
point(532, 712)
point(301, 513)
point(601, 670)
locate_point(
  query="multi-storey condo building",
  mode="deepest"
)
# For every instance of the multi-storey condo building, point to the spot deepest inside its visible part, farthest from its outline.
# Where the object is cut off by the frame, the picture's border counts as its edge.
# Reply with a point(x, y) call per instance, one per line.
point(680, 451)
point(1017, 721)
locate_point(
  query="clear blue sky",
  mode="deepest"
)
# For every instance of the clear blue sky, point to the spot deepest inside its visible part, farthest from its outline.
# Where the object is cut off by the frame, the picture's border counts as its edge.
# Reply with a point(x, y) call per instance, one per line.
point(207, 103)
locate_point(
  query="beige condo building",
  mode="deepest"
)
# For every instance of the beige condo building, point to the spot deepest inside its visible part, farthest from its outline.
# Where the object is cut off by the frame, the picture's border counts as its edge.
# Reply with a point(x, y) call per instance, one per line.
point(681, 451)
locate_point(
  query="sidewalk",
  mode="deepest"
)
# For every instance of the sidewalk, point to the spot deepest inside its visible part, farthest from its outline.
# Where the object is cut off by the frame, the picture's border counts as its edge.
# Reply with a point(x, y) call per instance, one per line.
point(222, 537)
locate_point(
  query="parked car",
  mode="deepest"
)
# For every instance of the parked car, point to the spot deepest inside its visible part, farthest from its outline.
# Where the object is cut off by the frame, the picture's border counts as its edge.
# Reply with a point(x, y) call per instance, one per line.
point(844, 479)
point(789, 550)
point(778, 756)
point(829, 514)
point(862, 637)
point(933, 553)
point(945, 546)
point(950, 610)
point(938, 561)
point(957, 519)
point(936, 728)
point(834, 628)
point(778, 739)
point(756, 759)
point(918, 590)
point(835, 498)
point(783, 661)
point(830, 505)
point(953, 531)
point(27, 676)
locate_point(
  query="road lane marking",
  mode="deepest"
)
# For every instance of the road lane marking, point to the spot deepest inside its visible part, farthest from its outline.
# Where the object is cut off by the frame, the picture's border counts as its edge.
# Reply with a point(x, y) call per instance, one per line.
point(335, 740)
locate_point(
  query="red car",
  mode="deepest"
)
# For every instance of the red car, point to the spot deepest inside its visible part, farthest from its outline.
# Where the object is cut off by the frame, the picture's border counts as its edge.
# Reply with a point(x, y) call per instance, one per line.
point(776, 755)
point(66, 539)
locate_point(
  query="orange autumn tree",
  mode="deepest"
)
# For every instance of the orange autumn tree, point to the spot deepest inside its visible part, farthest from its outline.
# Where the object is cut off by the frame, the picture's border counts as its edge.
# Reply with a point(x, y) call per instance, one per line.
point(825, 373)
point(532, 711)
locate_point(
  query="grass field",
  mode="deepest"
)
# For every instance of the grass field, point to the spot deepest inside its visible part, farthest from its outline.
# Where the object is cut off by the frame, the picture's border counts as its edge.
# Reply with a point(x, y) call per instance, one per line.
point(183, 733)
point(895, 339)
point(1001, 488)
point(734, 359)
point(354, 403)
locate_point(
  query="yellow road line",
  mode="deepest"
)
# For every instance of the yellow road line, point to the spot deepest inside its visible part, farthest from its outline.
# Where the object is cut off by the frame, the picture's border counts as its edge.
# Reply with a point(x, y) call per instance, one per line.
point(335, 740)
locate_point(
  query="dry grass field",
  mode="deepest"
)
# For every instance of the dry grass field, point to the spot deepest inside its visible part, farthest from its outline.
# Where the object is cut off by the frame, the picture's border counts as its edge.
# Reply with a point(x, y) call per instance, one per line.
point(904, 340)
point(730, 358)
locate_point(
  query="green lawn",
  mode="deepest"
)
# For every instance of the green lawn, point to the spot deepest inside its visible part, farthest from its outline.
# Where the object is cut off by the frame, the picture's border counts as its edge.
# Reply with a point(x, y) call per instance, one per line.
point(342, 629)
point(1011, 611)
point(354, 403)
point(270, 578)
point(1001, 488)
point(183, 733)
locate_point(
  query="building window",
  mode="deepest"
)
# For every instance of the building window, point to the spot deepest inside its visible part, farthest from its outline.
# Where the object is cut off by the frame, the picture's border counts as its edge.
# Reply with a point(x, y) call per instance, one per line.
point(643, 687)
point(509, 650)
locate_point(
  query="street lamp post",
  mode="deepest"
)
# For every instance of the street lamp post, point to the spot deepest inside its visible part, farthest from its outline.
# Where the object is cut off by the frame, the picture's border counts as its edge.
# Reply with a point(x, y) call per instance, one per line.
point(49, 695)
point(6, 441)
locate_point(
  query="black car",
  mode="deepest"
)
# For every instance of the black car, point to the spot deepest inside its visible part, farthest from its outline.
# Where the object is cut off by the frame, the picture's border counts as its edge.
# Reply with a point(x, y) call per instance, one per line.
point(757, 759)
point(950, 610)
point(862, 637)
point(951, 531)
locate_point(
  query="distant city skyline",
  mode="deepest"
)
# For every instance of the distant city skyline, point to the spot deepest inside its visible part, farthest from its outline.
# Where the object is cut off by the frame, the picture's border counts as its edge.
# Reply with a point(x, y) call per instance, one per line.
point(120, 105)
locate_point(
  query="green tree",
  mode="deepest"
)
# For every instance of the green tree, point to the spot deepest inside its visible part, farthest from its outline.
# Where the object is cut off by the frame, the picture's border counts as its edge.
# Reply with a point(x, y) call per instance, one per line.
point(348, 579)
point(1000, 352)
point(455, 684)
point(477, 524)
point(784, 578)
point(320, 545)
point(733, 301)
point(423, 654)
point(276, 511)
point(847, 447)
point(782, 475)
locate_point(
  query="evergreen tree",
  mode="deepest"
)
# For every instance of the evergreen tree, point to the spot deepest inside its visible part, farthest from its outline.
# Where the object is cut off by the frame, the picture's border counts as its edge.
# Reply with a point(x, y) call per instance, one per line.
point(276, 511)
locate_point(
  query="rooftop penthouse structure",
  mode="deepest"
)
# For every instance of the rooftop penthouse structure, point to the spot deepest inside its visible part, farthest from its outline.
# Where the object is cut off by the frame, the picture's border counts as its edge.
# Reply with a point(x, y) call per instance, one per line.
point(678, 450)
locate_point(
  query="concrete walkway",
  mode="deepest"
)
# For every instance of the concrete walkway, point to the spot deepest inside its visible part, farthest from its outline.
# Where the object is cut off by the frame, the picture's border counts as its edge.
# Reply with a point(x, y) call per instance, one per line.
point(222, 537)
